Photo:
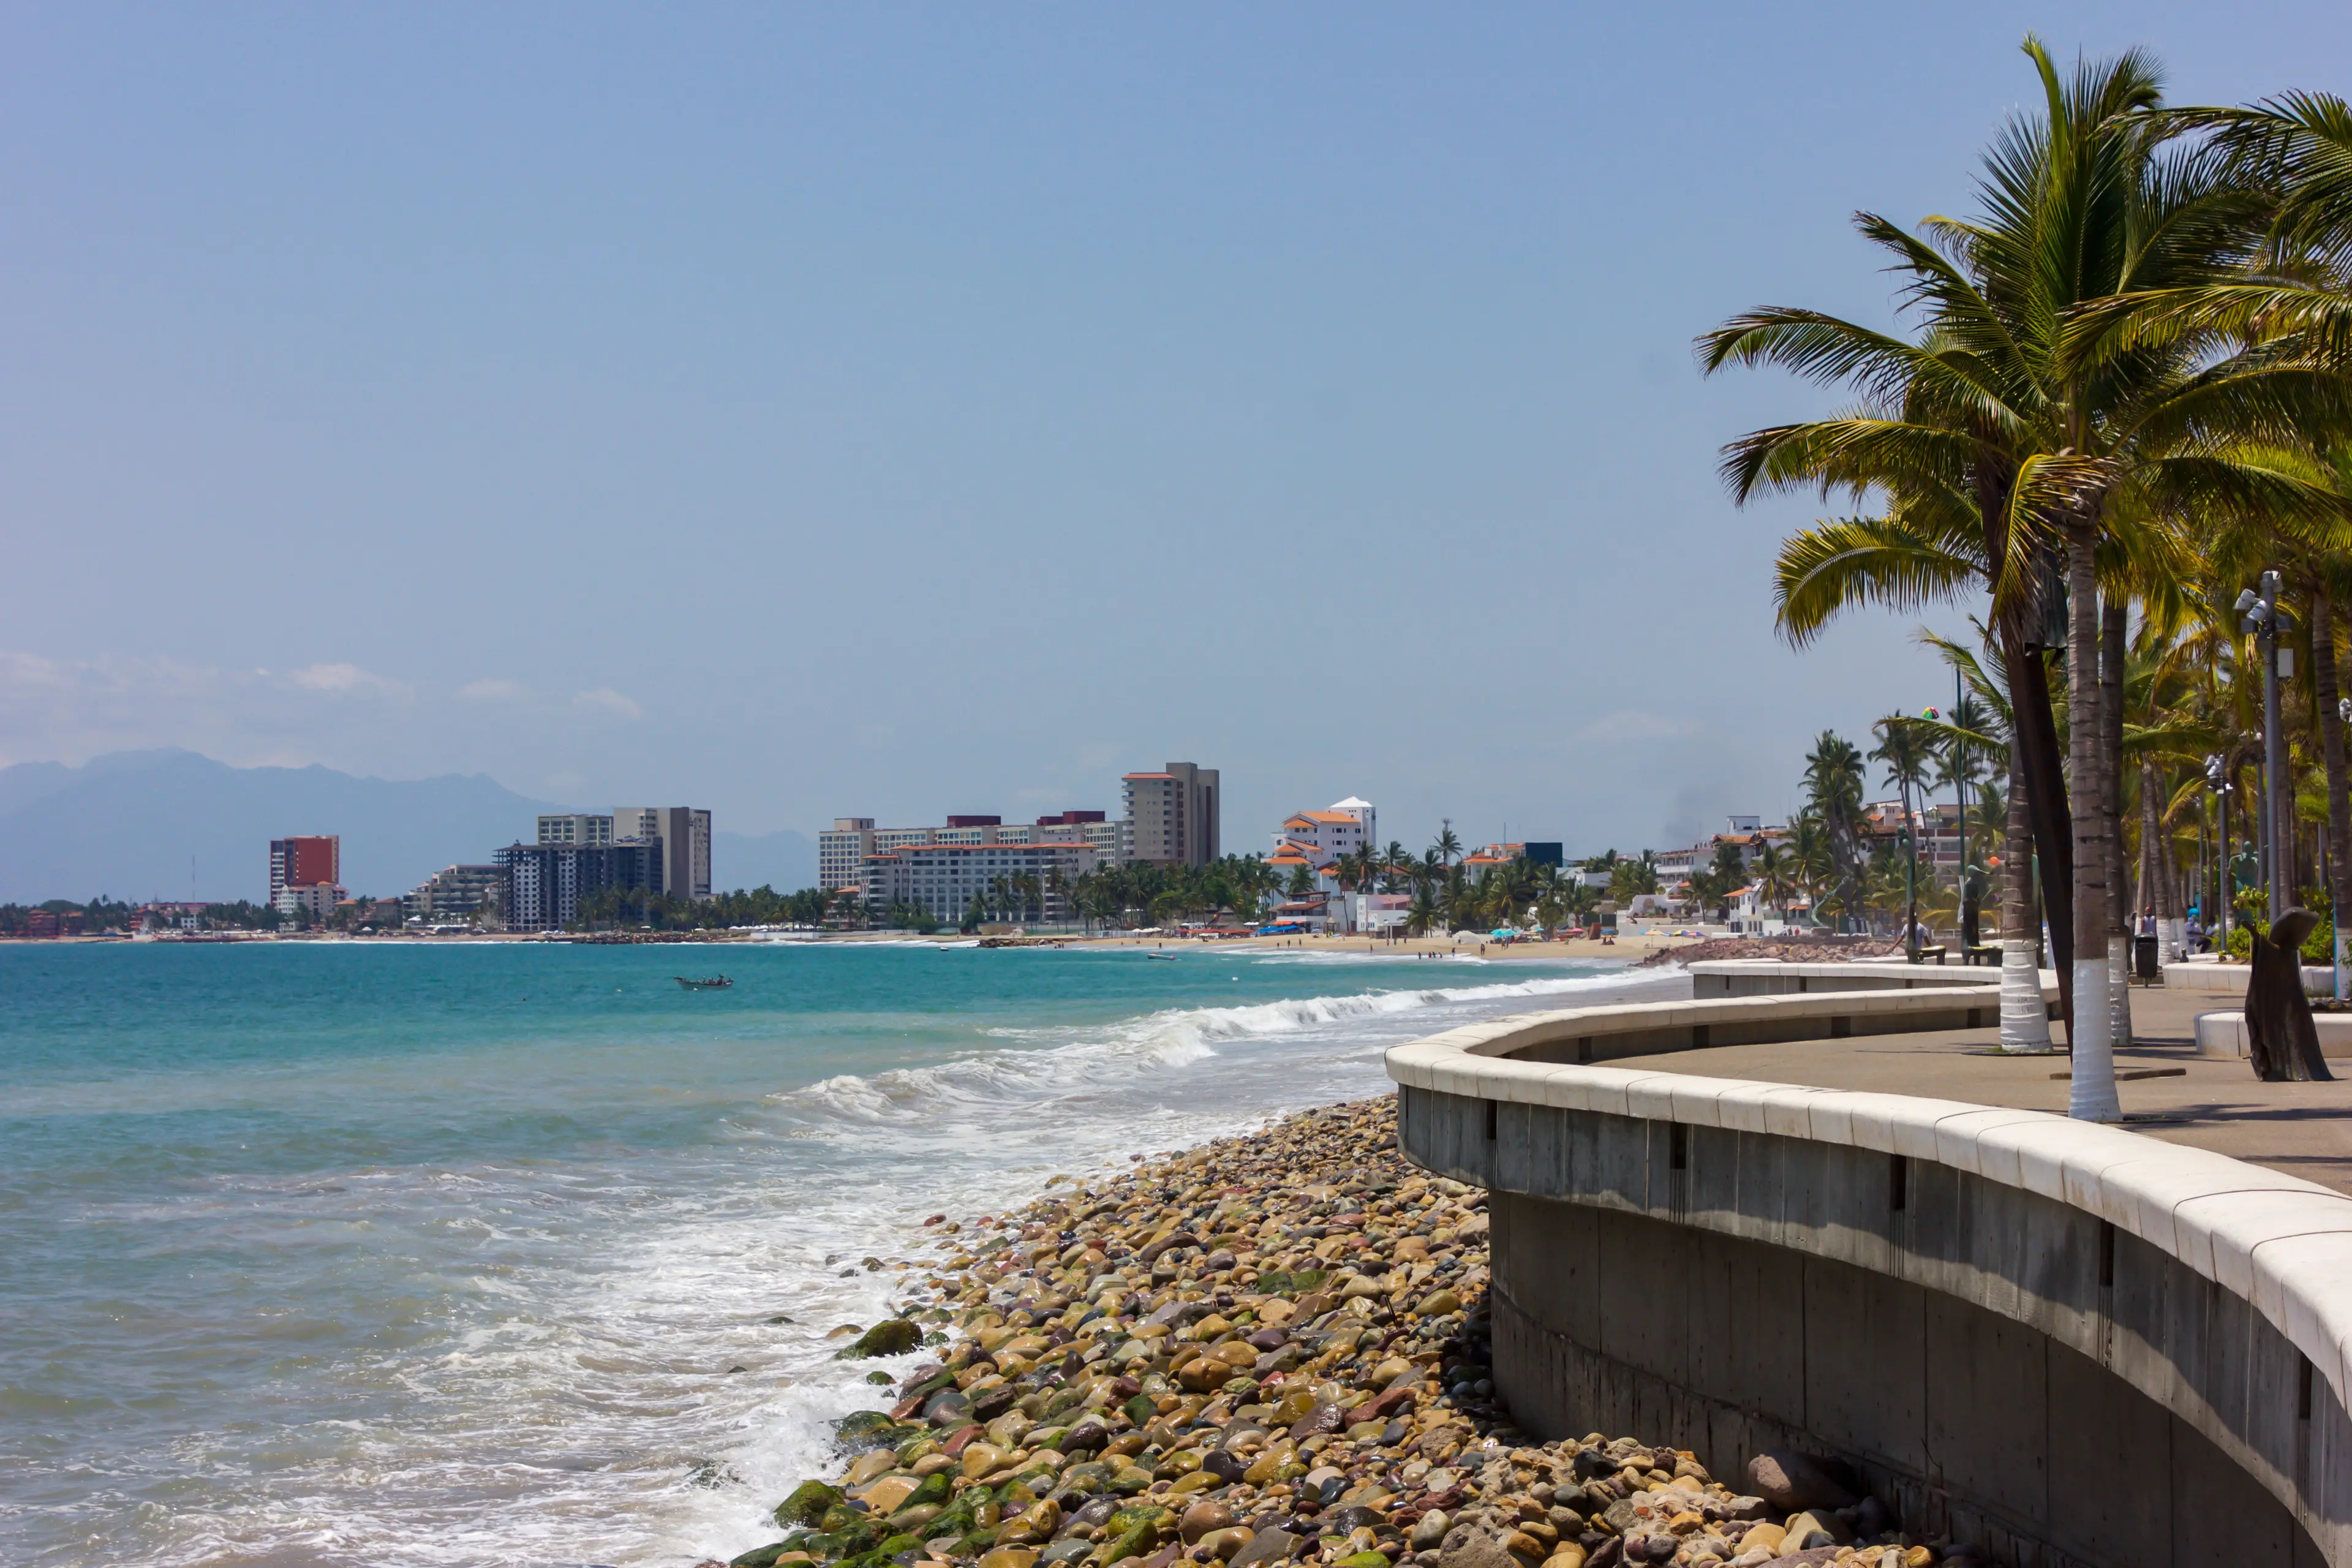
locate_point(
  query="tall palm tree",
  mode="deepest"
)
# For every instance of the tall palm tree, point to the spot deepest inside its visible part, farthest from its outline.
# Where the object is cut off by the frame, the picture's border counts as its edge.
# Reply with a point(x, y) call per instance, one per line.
point(1812, 862)
point(1903, 750)
point(1448, 845)
point(1833, 787)
point(1774, 882)
point(2024, 1016)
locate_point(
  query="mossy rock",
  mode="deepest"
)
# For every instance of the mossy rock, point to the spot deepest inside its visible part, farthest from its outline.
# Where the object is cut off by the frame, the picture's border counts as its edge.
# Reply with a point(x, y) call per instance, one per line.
point(1140, 1409)
point(933, 1487)
point(916, 1518)
point(1157, 1515)
point(932, 1385)
point(850, 1537)
point(889, 1435)
point(860, 1424)
point(808, 1504)
point(1089, 1477)
point(762, 1556)
point(1137, 1540)
point(891, 1336)
point(1363, 1559)
point(1130, 1482)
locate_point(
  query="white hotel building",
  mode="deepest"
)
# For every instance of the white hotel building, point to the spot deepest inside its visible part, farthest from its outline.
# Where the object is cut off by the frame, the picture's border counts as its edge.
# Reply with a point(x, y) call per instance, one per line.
point(842, 854)
point(944, 878)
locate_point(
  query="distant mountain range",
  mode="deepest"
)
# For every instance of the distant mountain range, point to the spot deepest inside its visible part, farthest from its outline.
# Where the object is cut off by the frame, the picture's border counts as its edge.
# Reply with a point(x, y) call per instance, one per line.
point(175, 825)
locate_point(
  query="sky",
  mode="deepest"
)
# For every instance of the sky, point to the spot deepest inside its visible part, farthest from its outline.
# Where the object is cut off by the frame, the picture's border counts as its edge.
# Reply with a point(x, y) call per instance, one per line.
point(894, 411)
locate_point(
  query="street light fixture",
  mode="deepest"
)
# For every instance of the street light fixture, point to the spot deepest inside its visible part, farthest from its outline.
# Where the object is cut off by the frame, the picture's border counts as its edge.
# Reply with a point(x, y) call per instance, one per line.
point(2258, 613)
point(2217, 779)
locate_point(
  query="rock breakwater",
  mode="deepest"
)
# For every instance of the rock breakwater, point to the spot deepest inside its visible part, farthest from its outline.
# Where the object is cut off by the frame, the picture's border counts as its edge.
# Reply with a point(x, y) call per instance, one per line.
point(1270, 1350)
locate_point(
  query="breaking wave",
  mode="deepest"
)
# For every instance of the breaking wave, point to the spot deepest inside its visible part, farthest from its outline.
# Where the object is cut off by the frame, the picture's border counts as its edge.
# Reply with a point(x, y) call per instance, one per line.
point(1067, 1059)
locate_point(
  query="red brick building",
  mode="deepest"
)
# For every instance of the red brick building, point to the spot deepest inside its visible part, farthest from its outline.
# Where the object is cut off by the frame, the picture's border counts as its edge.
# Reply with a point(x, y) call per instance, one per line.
point(309, 861)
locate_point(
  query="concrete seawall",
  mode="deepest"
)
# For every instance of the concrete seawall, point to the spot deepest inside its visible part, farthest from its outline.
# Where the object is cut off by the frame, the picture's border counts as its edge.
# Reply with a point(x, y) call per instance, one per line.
point(2062, 1343)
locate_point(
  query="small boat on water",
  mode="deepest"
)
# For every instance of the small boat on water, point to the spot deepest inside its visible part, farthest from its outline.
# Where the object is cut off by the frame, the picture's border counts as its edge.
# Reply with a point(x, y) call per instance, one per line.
point(714, 983)
point(1164, 957)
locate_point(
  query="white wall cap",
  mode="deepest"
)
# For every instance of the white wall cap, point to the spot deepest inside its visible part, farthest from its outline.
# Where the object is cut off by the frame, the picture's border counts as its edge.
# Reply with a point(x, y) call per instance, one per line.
point(1831, 1116)
point(2047, 1150)
point(1741, 1107)
point(1789, 1108)
point(2235, 1223)
point(1896, 1124)
point(1651, 1097)
point(1960, 1139)
point(2303, 1284)
point(1699, 1101)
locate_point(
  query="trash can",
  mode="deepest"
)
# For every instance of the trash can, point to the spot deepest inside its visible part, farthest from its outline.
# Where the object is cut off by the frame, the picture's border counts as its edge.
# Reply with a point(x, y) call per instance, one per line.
point(2144, 963)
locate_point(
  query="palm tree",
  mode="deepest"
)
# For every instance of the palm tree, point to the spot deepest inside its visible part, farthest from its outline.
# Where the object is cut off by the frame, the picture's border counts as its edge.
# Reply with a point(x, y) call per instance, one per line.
point(1424, 915)
point(1903, 750)
point(2060, 434)
point(1833, 782)
point(1812, 862)
point(1448, 845)
point(2024, 1015)
point(1775, 883)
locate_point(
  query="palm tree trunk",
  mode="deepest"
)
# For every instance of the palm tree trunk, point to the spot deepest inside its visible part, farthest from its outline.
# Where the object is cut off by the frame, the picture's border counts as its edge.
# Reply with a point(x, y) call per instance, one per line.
point(2024, 1015)
point(2113, 616)
point(2042, 766)
point(2151, 865)
point(2326, 686)
point(2092, 1092)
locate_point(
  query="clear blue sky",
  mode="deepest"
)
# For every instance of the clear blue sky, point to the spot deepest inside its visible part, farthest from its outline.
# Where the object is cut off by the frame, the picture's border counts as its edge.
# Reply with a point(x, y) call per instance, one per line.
point(901, 410)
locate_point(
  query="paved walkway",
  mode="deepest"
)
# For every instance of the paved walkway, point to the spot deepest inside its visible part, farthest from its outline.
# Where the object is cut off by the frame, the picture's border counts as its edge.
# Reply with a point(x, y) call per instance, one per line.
point(2305, 1128)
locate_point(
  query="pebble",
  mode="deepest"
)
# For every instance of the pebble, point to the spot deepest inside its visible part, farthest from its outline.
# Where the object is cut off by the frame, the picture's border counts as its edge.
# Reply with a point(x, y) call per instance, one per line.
point(1269, 1350)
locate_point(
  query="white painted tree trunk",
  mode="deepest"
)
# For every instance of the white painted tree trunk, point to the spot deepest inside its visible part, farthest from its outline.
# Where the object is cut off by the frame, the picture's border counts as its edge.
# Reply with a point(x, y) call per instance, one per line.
point(2024, 1015)
point(2091, 1092)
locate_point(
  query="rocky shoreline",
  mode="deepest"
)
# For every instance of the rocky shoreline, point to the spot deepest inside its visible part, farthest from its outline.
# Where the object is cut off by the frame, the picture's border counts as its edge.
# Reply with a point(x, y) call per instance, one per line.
point(1272, 1348)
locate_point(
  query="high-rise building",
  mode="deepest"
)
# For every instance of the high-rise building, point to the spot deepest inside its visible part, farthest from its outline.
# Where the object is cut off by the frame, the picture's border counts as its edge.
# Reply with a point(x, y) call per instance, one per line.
point(683, 833)
point(310, 860)
point(841, 853)
point(541, 886)
point(1172, 815)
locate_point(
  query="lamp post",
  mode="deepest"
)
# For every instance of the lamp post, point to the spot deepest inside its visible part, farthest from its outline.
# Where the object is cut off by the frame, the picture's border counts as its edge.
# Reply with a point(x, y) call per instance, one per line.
point(1910, 842)
point(2217, 779)
point(2259, 614)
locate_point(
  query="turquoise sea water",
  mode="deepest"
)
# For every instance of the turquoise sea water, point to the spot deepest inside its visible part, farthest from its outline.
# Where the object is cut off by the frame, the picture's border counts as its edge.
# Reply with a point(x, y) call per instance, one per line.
point(470, 1254)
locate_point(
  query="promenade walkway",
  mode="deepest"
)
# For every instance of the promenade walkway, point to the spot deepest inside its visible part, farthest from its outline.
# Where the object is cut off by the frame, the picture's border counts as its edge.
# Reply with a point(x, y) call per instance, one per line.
point(2302, 1129)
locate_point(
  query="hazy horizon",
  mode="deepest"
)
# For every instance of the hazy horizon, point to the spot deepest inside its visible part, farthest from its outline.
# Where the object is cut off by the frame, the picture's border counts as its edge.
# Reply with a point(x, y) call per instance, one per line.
point(895, 413)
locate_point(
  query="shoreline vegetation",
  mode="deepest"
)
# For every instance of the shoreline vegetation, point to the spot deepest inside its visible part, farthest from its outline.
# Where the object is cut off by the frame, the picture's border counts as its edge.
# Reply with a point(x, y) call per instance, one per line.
point(1269, 1349)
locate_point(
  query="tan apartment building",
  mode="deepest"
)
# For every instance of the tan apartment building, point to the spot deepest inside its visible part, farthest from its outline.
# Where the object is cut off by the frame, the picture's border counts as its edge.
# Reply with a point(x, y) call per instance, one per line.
point(1172, 815)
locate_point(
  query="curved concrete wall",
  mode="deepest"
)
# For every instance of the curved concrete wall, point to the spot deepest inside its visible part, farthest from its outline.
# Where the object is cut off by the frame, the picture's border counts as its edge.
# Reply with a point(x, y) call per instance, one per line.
point(2066, 1342)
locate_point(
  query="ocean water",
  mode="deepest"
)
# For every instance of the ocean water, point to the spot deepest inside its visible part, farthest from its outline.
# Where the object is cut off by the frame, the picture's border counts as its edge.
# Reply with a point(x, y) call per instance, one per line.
point(502, 1254)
